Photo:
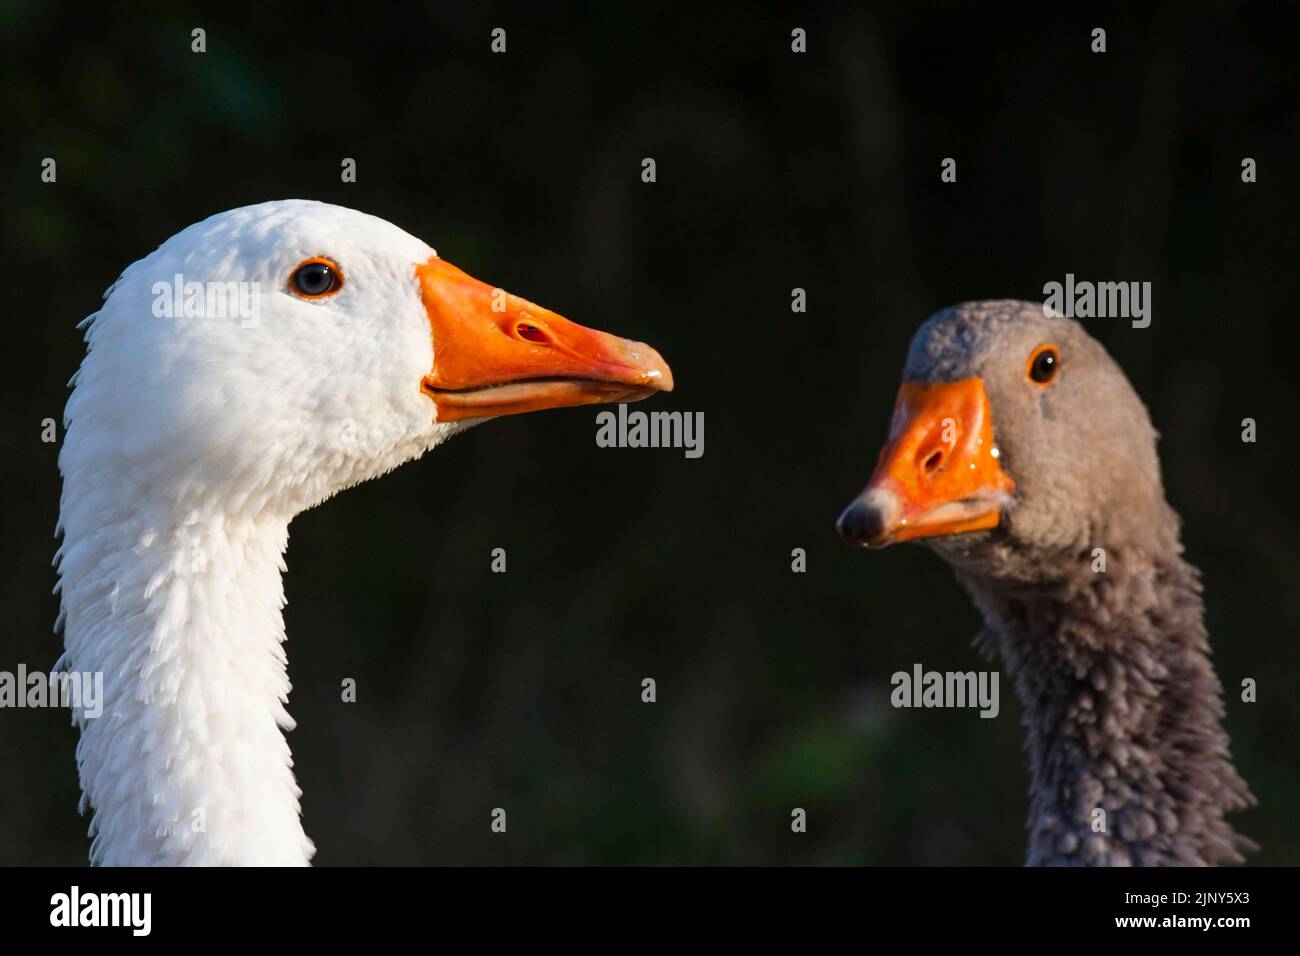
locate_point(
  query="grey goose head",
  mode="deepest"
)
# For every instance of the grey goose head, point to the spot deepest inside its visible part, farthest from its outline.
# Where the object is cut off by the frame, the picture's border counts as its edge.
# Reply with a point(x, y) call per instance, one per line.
point(1019, 452)
point(1016, 444)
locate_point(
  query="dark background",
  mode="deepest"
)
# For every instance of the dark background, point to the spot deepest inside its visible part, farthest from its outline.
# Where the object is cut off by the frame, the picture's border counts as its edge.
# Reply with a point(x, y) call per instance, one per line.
point(775, 170)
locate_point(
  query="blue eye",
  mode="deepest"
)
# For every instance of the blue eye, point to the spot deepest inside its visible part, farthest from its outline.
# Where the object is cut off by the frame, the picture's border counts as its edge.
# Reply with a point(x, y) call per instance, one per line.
point(316, 278)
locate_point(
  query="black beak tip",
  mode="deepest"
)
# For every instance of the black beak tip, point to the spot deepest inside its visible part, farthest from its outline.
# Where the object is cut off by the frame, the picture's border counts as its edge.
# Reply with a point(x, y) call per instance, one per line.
point(860, 524)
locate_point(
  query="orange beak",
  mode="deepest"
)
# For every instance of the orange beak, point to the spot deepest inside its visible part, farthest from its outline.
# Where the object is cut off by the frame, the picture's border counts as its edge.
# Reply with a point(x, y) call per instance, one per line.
point(939, 472)
point(497, 354)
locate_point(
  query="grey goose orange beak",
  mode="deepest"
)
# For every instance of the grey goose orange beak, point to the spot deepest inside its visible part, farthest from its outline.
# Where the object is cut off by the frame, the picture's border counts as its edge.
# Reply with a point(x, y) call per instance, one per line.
point(939, 472)
point(497, 354)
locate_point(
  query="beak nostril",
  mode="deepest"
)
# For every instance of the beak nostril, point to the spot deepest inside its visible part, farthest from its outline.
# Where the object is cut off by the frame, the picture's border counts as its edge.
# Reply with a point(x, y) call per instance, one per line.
point(531, 333)
point(933, 462)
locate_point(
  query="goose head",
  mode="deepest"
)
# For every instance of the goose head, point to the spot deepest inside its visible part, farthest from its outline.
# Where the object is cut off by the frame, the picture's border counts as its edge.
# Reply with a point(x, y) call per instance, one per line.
point(251, 366)
point(1017, 450)
point(273, 355)
point(1015, 438)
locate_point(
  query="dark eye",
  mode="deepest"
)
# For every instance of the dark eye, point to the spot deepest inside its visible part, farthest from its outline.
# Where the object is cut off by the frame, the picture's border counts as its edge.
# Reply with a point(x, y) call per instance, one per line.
point(1043, 365)
point(316, 278)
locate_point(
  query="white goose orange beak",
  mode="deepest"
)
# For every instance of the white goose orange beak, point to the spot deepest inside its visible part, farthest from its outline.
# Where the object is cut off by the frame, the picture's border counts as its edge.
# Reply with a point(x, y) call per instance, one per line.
point(497, 354)
point(939, 472)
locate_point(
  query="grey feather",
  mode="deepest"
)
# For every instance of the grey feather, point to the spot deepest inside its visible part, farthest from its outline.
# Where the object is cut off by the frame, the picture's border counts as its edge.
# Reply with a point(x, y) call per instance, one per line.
point(1121, 702)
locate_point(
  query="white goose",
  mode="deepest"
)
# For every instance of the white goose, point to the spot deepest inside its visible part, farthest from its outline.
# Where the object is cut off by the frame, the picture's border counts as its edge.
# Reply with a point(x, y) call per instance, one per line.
point(191, 443)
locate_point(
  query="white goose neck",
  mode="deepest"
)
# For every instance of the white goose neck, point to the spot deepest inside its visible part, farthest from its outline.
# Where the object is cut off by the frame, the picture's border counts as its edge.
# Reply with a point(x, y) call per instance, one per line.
point(181, 612)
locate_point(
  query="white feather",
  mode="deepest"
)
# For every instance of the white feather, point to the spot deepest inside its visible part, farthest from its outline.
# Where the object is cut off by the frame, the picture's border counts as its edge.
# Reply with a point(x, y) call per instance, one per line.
point(191, 443)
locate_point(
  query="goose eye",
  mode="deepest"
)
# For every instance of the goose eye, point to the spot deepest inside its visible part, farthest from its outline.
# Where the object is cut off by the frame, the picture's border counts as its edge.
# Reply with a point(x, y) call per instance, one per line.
point(1043, 365)
point(316, 278)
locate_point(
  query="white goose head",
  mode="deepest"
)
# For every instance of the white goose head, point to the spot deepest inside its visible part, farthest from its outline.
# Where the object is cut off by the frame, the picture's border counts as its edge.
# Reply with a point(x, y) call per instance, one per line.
point(360, 351)
point(250, 367)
